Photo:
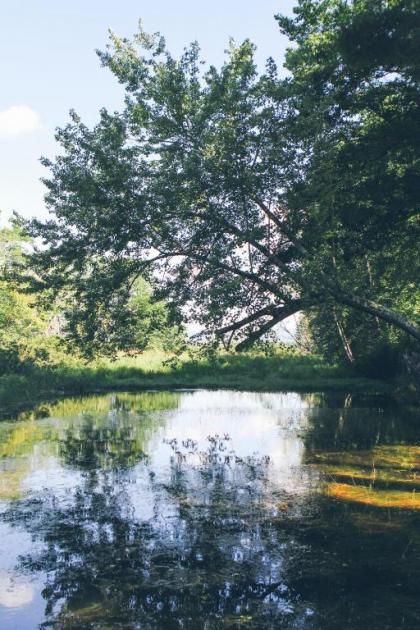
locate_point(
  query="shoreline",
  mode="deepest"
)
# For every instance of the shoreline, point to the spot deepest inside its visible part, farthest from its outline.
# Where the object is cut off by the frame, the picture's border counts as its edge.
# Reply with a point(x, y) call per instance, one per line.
point(341, 386)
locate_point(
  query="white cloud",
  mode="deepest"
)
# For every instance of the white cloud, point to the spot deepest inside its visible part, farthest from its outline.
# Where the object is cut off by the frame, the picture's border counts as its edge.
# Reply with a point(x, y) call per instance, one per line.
point(18, 120)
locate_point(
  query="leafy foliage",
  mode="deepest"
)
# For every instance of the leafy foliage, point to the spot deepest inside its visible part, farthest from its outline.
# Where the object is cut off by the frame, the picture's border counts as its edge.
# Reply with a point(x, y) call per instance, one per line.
point(22, 325)
point(34, 333)
point(240, 197)
point(355, 85)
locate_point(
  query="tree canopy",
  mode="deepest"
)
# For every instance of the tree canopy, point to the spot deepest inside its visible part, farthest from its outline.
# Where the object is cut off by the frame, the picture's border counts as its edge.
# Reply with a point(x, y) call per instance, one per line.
point(242, 197)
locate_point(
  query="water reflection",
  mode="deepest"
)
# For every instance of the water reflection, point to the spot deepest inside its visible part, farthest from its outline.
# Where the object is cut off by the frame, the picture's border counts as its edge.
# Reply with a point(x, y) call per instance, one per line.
point(209, 510)
point(14, 591)
point(90, 433)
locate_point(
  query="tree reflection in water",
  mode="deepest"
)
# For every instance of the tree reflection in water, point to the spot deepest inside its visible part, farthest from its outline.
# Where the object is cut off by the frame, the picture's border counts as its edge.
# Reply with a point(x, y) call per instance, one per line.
point(216, 556)
point(211, 540)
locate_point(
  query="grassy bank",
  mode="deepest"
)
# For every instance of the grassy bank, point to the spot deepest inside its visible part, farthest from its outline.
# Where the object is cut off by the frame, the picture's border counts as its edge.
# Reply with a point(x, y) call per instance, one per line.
point(281, 370)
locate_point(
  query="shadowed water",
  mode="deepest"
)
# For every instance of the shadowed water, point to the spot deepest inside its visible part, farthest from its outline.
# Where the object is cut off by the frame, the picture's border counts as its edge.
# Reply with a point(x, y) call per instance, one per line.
point(210, 510)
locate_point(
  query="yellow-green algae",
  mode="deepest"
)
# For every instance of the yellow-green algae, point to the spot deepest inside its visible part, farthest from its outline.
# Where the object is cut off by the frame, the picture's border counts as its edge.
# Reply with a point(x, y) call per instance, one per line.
point(384, 477)
point(399, 457)
point(371, 496)
point(374, 475)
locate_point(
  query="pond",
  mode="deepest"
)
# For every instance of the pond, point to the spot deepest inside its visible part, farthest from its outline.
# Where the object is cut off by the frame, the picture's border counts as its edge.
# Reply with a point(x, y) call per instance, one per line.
point(209, 510)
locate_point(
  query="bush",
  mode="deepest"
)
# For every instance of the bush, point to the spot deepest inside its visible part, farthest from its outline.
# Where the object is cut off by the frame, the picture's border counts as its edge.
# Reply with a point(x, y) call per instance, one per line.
point(10, 361)
point(384, 361)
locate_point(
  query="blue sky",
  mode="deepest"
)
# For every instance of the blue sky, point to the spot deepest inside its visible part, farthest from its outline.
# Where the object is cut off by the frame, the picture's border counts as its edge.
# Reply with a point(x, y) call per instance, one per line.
point(48, 65)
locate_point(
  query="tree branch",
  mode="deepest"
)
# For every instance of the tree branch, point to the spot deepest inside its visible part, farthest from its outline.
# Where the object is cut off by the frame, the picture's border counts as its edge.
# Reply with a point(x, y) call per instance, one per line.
point(272, 309)
point(271, 288)
point(301, 249)
point(283, 312)
point(373, 308)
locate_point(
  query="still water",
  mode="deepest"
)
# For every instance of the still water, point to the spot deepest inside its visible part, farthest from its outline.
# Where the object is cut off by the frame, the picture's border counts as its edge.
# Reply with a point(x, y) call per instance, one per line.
point(207, 510)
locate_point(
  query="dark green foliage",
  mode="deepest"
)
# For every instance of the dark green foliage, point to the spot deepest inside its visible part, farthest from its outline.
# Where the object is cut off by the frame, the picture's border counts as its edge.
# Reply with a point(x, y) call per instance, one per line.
point(129, 319)
point(371, 351)
point(177, 203)
point(383, 361)
point(355, 85)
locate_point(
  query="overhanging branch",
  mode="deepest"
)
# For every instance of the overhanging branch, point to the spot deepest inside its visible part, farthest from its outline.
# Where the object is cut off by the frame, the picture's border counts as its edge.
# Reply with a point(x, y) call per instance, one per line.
point(272, 310)
point(282, 313)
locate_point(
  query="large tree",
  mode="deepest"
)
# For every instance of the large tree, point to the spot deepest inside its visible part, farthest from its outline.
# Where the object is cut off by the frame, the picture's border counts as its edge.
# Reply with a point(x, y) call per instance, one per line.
point(233, 192)
point(355, 88)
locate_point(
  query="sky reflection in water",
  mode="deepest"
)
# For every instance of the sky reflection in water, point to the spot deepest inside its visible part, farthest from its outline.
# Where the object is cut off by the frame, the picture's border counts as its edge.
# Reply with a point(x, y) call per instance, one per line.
point(210, 510)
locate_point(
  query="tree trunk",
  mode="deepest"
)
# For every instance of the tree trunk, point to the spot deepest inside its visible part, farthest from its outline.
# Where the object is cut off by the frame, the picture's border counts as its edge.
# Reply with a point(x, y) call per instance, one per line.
point(343, 337)
point(382, 312)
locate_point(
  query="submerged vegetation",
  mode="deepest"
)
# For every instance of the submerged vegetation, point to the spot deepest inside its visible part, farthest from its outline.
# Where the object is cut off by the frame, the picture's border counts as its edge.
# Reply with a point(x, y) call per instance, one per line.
point(374, 497)
point(384, 477)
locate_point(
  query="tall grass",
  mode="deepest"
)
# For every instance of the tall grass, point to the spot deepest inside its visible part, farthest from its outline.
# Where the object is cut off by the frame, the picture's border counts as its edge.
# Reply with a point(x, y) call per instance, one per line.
point(280, 370)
